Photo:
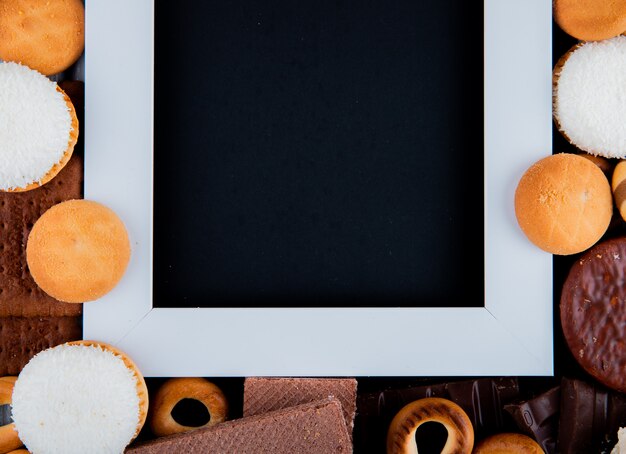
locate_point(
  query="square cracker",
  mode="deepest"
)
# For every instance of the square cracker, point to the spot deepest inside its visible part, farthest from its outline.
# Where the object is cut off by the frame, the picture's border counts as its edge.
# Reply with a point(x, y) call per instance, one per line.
point(21, 338)
point(19, 294)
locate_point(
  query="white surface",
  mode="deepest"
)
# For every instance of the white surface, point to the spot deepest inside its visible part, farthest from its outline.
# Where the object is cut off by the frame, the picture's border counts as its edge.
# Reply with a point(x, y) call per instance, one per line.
point(36, 125)
point(590, 95)
point(76, 399)
point(512, 335)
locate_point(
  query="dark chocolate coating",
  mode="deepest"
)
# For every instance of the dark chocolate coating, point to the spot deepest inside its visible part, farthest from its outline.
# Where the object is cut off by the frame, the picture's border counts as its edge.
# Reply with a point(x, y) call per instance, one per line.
point(593, 312)
point(589, 416)
point(539, 417)
point(482, 399)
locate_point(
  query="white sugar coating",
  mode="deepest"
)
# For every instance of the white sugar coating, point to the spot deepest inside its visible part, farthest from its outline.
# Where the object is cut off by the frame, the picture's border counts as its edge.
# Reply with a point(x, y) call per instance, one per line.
point(35, 125)
point(591, 97)
point(75, 399)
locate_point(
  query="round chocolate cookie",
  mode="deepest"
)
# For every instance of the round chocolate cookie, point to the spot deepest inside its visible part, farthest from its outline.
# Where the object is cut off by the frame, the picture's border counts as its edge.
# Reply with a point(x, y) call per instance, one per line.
point(593, 312)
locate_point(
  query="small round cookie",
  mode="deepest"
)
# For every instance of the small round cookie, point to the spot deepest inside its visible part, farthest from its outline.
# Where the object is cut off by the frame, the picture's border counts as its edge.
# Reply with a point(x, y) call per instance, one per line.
point(591, 20)
point(39, 128)
point(563, 204)
point(589, 84)
point(8, 436)
point(79, 397)
point(46, 36)
point(175, 390)
point(593, 312)
point(508, 443)
point(78, 251)
point(401, 434)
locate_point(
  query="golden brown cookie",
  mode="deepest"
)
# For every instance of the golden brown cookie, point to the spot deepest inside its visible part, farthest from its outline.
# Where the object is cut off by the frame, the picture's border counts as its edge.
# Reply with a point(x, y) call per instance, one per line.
point(508, 443)
point(591, 20)
point(563, 204)
point(78, 251)
point(48, 36)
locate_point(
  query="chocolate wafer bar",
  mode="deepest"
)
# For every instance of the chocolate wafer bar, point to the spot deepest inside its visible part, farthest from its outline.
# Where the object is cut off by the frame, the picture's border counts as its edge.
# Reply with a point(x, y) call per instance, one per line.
point(23, 337)
point(262, 395)
point(314, 428)
point(19, 294)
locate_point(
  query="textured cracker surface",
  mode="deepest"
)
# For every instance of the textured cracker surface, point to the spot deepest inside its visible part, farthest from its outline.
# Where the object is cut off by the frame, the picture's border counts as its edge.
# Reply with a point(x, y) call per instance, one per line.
point(19, 294)
point(262, 395)
point(23, 337)
point(314, 428)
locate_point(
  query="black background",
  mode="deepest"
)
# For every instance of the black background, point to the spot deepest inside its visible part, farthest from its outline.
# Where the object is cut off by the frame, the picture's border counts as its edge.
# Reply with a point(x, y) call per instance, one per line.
point(318, 153)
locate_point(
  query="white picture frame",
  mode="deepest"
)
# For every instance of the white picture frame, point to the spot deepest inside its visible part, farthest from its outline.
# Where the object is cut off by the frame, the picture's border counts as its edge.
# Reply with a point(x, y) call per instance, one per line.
point(511, 335)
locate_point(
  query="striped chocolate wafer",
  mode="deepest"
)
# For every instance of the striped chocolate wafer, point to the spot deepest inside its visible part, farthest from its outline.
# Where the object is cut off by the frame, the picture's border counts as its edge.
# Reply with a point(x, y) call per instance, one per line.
point(313, 428)
point(262, 395)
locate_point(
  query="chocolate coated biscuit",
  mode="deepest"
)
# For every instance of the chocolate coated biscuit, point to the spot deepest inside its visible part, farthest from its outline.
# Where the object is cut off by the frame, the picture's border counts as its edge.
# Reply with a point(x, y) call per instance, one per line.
point(593, 312)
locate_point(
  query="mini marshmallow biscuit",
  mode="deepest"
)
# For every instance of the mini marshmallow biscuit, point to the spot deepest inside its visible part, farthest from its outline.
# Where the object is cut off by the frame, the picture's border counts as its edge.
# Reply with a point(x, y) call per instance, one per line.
point(39, 128)
point(79, 398)
point(589, 97)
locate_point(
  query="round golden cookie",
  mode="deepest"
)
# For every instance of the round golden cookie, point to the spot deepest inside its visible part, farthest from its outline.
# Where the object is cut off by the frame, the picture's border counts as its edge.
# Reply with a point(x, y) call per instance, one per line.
point(48, 36)
point(176, 389)
point(591, 20)
point(508, 443)
point(563, 204)
point(78, 251)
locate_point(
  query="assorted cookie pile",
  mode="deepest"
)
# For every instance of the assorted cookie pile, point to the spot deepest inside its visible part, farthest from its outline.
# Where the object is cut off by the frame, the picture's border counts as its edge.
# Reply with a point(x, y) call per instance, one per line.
point(56, 250)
